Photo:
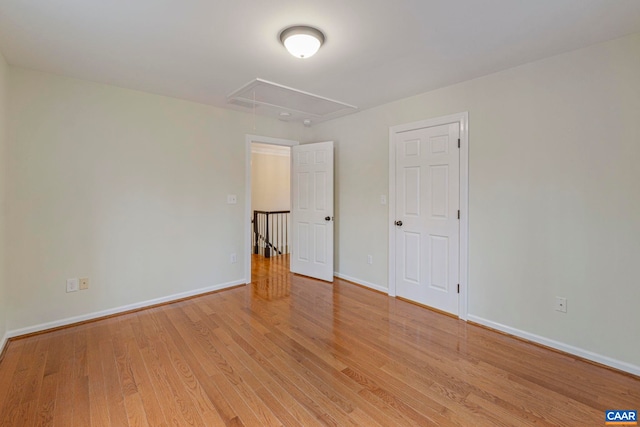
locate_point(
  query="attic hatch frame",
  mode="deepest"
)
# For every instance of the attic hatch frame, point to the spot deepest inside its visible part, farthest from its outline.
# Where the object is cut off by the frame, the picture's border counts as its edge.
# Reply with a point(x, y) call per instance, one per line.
point(276, 98)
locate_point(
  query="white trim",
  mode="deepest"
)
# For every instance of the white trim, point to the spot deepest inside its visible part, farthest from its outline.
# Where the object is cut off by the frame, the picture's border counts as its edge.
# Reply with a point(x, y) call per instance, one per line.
point(270, 150)
point(576, 351)
point(271, 141)
point(247, 192)
point(3, 341)
point(463, 119)
point(464, 217)
point(121, 309)
point(361, 282)
point(392, 213)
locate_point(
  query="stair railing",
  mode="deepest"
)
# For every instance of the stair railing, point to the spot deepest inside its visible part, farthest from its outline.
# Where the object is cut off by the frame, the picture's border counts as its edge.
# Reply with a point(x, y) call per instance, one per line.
point(271, 233)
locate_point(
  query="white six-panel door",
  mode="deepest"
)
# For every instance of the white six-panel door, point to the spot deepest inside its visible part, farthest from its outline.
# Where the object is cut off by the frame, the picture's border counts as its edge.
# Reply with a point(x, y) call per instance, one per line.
point(312, 210)
point(427, 228)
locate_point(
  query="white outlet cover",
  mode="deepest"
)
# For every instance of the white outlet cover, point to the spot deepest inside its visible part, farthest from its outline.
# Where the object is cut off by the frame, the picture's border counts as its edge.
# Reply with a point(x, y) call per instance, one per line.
point(561, 304)
point(232, 199)
point(383, 199)
point(73, 285)
point(233, 258)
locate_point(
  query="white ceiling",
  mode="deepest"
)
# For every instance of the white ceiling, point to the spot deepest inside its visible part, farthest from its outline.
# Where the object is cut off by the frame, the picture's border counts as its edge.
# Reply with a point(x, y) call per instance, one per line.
point(376, 51)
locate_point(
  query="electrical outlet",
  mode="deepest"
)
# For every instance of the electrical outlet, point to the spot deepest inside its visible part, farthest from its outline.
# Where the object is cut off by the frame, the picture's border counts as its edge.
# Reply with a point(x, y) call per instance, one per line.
point(233, 258)
point(561, 304)
point(84, 283)
point(73, 285)
point(383, 199)
point(232, 199)
point(369, 259)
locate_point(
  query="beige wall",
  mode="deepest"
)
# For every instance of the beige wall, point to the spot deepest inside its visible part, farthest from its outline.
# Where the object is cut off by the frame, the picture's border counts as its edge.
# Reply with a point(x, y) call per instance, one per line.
point(554, 201)
point(270, 182)
point(130, 189)
point(3, 169)
point(124, 187)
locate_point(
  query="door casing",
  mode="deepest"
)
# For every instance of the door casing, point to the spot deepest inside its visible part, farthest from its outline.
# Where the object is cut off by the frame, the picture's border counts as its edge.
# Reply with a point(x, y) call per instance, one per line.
point(463, 119)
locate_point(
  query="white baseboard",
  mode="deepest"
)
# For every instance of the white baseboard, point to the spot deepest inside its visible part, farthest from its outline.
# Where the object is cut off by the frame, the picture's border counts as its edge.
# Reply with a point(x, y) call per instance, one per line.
point(3, 342)
point(116, 310)
point(576, 351)
point(361, 282)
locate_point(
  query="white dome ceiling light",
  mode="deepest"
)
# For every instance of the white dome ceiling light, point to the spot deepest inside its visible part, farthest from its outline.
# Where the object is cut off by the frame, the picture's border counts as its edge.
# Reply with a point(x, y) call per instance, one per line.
point(302, 41)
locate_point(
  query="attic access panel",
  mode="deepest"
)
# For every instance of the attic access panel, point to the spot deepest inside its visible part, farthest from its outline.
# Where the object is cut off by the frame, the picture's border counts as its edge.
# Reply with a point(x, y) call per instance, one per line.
point(273, 99)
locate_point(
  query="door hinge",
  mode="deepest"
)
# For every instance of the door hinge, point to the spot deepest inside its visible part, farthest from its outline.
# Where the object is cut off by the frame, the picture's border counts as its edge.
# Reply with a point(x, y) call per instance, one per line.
point(458, 213)
point(458, 287)
point(458, 142)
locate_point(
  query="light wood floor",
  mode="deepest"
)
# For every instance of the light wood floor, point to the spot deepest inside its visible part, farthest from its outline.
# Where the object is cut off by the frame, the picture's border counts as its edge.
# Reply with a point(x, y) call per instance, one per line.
point(287, 350)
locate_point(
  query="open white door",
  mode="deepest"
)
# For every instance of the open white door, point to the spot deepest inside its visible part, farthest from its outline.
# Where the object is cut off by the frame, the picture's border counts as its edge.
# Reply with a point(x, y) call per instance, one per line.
point(312, 210)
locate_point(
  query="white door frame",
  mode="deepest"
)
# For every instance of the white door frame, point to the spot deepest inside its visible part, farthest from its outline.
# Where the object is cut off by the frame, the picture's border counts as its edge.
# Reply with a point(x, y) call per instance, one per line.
point(463, 119)
point(248, 215)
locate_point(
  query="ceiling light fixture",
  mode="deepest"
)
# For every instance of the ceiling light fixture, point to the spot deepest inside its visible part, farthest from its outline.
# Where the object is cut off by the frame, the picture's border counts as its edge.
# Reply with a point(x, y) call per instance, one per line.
point(302, 41)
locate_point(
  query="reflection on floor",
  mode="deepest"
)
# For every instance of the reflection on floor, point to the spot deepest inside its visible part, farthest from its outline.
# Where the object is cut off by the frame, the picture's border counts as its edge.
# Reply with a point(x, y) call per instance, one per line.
point(270, 277)
point(293, 351)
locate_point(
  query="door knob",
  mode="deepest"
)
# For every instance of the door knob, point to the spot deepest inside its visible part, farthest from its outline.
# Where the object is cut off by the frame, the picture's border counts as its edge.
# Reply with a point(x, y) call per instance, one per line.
point(398, 223)
point(327, 218)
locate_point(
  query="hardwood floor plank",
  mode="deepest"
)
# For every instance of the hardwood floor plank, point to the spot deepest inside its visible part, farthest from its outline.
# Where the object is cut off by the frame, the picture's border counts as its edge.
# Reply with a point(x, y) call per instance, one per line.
point(81, 408)
point(213, 394)
point(289, 350)
point(144, 385)
point(376, 359)
point(63, 414)
point(45, 409)
point(490, 383)
point(406, 357)
point(256, 363)
point(33, 383)
point(230, 367)
point(113, 389)
point(457, 408)
point(177, 406)
point(136, 415)
point(336, 380)
point(235, 409)
point(98, 404)
point(388, 397)
point(12, 410)
point(8, 369)
point(324, 388)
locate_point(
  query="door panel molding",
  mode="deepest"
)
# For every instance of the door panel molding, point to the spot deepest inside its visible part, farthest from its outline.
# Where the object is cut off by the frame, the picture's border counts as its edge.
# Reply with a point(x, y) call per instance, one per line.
point(312, 210)
point(463, 120)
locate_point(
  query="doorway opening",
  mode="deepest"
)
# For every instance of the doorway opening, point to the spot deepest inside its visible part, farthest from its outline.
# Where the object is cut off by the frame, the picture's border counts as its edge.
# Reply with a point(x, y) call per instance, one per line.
point(268, 205)
point(271, 210)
